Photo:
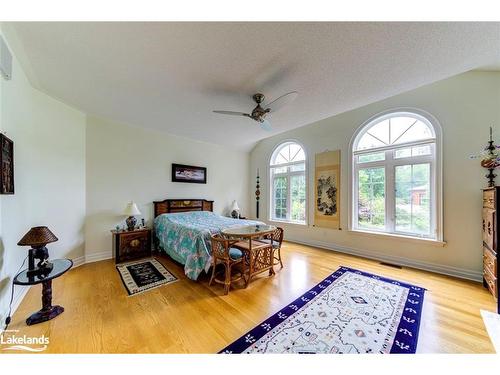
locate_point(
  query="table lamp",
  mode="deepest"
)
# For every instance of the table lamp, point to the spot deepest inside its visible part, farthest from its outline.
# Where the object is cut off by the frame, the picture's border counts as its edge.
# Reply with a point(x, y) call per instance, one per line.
point(37, 238)
point(131, 210)
point(235, 210)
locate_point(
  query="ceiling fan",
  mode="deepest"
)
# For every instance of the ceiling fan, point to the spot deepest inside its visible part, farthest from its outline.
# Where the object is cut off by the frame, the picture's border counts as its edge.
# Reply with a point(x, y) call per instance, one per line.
point(259, 113)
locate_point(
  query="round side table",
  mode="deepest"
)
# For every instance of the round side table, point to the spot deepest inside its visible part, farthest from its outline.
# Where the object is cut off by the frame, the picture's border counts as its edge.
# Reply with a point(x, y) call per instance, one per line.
point(48, 311)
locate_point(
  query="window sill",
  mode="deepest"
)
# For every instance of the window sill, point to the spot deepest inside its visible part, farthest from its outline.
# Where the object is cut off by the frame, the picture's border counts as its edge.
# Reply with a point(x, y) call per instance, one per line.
point(284, 222)
point(420, 240)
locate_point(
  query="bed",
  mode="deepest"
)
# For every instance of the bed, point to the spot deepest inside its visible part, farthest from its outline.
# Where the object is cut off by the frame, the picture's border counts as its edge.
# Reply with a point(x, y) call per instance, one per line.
point(182, 229)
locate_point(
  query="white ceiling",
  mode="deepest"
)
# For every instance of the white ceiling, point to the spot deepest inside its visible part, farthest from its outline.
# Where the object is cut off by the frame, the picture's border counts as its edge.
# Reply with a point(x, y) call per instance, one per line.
point(170, 76)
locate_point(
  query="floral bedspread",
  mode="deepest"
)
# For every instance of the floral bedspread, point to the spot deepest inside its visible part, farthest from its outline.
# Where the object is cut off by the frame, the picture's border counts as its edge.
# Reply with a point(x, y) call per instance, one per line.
point(185, 237)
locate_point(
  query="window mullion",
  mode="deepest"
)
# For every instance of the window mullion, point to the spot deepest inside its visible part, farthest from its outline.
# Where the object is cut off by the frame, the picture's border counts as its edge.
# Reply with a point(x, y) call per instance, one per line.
point(394, 146)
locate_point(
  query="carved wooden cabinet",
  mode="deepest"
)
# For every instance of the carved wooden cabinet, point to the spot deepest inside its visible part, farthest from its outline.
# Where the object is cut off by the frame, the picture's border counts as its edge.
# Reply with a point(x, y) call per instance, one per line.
point(490, 240)
point(128, 245)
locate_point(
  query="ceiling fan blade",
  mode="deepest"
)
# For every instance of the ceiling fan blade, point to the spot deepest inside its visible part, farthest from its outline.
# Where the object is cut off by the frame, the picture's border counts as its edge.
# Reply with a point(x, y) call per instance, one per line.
point(231, 113)
point(265, 125)
point(281, 101)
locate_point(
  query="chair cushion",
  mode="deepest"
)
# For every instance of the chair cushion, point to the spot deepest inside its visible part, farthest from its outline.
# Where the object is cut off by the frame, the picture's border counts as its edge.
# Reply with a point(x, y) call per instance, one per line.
point(274, 243)
point(235, 253)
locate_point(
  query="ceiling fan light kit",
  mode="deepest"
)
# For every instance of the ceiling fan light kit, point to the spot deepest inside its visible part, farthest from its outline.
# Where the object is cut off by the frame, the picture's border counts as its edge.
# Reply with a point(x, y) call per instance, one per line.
point(259, 113)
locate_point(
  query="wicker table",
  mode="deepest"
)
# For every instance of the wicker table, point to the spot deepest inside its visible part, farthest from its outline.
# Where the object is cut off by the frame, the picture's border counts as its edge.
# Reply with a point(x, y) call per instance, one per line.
point(259, 255)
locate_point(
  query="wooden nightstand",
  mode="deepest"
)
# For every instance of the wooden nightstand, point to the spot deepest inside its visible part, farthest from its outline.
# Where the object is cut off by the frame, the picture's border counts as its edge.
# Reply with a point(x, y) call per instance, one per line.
point(128, 245)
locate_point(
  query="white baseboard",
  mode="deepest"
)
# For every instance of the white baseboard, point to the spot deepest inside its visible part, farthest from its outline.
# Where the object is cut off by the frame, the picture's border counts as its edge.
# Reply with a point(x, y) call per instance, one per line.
point(432, 267)
point(78, 261)
point(90, 258)
point(96, 257)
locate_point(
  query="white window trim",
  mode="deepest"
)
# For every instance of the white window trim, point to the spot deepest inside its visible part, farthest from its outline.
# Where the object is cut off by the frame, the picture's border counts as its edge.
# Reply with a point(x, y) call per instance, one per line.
point(270, 179)
point(436, 173)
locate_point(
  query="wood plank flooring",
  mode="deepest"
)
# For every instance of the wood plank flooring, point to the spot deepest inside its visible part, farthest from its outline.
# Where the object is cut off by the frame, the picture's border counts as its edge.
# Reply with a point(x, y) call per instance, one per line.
point(191, 317)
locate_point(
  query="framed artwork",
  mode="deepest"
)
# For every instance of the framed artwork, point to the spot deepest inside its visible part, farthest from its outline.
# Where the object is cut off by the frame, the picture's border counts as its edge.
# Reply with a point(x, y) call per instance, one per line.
point(189, 173)
point(6, 165)
point(327, 190)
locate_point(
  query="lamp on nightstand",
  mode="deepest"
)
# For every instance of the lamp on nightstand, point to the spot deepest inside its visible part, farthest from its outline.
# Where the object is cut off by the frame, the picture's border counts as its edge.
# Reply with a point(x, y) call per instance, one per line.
point(131, 211)
point(235, 210)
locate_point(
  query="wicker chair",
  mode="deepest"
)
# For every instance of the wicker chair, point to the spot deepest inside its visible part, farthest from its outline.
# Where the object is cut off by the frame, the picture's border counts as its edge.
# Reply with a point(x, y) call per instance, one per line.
point(276, 239)
point(224, 253)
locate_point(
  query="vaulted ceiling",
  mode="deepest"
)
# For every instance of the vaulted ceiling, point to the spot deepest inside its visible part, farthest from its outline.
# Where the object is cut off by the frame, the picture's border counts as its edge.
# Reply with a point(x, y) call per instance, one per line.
point(170, 76)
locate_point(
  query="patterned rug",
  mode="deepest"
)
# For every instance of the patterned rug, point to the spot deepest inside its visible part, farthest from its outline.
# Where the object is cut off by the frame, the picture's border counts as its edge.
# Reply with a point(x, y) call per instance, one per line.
point(143, 275)
point(350, 311)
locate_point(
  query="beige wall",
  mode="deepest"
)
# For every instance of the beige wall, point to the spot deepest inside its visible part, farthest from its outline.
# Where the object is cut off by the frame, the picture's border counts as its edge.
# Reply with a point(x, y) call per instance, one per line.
point(465, 106)
point(49, 155)
point(126, 163)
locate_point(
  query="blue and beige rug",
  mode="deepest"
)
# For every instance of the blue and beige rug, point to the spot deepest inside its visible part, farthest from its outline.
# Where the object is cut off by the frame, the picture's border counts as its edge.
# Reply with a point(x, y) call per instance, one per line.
point(348, 312)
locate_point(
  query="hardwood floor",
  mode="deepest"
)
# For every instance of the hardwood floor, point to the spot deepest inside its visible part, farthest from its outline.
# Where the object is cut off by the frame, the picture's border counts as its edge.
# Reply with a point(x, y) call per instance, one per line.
point(190, 317)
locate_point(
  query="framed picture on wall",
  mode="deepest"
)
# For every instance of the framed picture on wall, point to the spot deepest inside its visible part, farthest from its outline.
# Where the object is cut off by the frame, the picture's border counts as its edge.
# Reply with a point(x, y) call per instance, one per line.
point(189, 173)
point(6, 165)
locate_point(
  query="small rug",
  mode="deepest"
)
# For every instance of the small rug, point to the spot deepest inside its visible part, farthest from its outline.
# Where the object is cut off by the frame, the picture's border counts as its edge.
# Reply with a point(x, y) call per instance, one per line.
point(350, 311)
point(143, 275)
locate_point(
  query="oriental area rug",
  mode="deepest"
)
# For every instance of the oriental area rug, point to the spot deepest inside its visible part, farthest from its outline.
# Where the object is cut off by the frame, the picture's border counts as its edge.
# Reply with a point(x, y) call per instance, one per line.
point(348, 312)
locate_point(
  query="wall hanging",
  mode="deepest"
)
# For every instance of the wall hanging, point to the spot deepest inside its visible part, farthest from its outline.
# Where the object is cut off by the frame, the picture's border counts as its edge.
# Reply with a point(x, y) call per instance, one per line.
point(7, 165)
point(327, 190)
point(189, 173)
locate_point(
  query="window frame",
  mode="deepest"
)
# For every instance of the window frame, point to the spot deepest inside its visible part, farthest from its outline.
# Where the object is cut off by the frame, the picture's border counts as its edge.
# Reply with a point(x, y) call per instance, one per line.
point(390, 163)
point(288, 174)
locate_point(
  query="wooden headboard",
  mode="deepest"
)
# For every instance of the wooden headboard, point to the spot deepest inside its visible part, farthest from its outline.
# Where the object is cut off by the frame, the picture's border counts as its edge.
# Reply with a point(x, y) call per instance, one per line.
point(182, 205)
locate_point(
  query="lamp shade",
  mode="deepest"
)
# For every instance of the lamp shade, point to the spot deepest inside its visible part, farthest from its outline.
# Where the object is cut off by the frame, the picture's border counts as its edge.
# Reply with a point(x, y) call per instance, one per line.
point(131, 210)
point(37, 236)
point(235, 207)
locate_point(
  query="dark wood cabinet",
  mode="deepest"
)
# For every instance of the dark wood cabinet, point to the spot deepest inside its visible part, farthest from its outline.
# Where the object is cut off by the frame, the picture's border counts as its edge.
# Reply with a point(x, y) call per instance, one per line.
point(129, 245)
point(491, 229)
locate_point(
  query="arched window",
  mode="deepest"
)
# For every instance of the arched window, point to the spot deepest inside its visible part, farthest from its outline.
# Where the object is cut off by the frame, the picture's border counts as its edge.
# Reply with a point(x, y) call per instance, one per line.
point(395, 176)
point(287, 171)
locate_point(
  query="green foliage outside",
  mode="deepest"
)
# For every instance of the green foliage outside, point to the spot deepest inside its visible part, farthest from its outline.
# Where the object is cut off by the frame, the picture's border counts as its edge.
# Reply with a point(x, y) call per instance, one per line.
point(298, 189)
point(298, 197)
point(412, 198)
point(371, 199)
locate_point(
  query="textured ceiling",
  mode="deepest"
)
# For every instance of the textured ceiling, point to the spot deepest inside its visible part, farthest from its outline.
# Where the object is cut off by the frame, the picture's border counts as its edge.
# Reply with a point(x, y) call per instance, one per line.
point(170, 76)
